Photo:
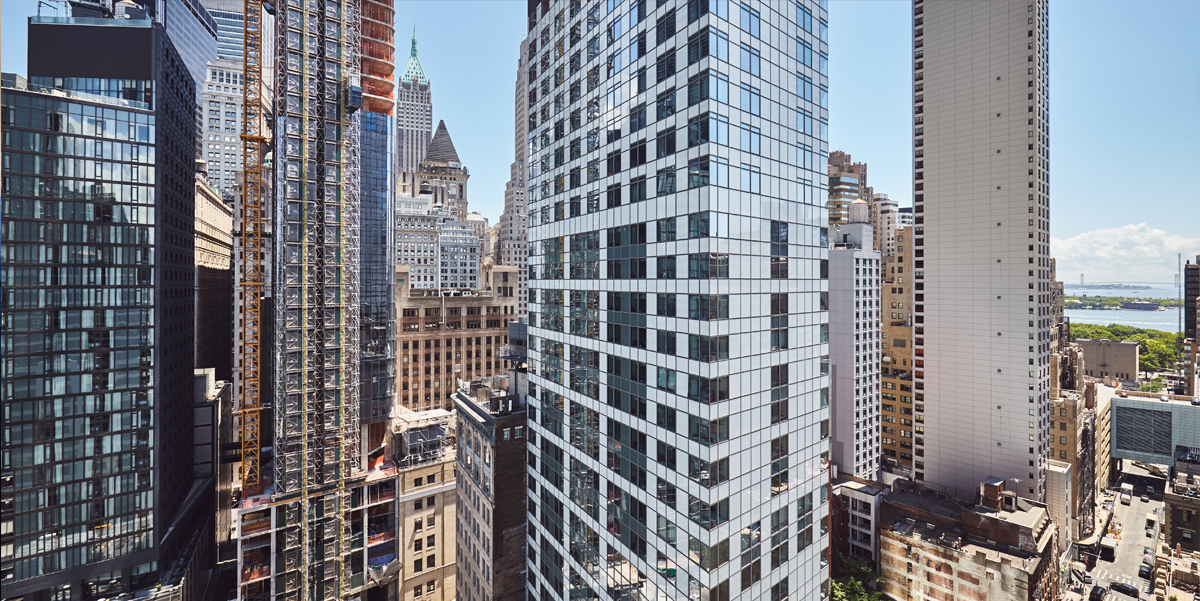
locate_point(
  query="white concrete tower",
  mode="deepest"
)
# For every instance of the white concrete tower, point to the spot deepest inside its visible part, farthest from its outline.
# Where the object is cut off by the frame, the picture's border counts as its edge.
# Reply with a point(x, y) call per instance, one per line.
point(981, 244)
point(854, 346)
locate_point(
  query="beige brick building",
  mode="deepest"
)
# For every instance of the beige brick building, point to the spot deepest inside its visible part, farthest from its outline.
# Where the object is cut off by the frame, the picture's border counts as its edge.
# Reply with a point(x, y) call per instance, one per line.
point(426, 508)
point(896, 353)
point(1110, 359)
point(443, 336)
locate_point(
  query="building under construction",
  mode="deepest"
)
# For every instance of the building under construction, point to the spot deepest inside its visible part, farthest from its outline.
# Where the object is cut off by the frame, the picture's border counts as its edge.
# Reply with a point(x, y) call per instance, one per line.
point(310, 480)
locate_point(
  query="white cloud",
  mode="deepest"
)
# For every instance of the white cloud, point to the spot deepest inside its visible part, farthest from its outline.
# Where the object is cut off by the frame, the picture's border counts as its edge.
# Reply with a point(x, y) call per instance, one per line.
point(1130, 253)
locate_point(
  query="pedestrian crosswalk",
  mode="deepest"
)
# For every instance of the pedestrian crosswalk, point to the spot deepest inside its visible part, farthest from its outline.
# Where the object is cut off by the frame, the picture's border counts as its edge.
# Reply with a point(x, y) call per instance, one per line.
point(1109, 577)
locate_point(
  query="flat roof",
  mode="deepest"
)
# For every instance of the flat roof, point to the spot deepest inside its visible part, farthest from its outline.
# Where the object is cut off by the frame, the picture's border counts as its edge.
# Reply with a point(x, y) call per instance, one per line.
point(869, 487)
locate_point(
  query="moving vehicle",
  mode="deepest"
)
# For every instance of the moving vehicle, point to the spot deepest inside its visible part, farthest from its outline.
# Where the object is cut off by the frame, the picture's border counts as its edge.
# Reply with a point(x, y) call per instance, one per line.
point(1145, 498)
point(1108, 548)
point(1126, 493)
point(1098, 593)
point(1124, 589)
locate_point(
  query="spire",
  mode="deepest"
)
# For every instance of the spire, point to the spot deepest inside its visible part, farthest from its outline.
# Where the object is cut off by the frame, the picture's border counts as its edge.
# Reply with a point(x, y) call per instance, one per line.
point(441, 148)
point(413, 70)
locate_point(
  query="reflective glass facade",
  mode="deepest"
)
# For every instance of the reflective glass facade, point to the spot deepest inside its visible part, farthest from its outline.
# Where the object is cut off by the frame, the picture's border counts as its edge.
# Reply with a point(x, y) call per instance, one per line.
point(98, 280)
point(378, 258)
point(194, 33)
point(678, 404)
point(78, 319)
point(229, 33)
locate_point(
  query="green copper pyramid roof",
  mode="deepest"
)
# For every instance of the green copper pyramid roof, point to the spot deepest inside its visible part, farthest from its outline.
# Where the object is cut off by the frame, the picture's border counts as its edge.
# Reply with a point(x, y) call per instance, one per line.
point(414, 65)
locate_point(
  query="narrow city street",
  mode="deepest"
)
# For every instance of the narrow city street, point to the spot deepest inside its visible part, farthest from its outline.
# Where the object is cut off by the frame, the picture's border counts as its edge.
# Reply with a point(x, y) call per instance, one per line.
point(1131, 520)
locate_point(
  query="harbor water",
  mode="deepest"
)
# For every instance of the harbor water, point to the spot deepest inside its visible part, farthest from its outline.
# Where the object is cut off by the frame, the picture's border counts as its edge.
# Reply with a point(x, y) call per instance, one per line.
point(1167, 321)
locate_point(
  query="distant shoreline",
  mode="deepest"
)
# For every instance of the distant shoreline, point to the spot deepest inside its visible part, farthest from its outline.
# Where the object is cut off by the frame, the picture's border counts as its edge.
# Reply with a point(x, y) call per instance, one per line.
point(1083, 301)
point(1111, 287)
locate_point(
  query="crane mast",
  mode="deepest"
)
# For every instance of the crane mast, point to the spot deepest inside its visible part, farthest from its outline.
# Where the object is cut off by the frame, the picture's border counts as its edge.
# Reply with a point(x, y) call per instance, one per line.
point(253, 248)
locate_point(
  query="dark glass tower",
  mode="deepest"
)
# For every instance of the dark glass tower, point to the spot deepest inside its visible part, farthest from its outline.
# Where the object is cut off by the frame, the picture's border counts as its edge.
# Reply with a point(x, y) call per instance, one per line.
point(378, 259)
point(377, 253)
point(97, 309)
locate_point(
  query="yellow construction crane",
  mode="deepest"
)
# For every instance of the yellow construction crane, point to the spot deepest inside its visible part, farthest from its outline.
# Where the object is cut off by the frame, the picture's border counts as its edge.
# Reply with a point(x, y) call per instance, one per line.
point(253, 265)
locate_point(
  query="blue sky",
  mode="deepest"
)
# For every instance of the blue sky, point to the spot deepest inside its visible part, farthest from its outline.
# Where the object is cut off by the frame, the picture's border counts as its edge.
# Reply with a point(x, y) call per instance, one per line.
point(1124, 113)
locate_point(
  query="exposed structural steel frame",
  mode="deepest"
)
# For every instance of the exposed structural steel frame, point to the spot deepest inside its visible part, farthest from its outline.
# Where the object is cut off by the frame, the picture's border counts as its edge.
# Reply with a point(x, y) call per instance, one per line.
point(253, 265)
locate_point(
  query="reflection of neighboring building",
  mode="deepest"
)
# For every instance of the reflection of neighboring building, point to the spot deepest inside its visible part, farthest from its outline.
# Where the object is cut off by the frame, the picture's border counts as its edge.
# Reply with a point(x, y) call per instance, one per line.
point(939, 548)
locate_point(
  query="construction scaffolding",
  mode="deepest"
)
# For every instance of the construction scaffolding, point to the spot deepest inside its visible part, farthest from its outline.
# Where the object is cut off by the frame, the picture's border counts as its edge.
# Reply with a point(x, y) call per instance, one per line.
point(296, 530)
point(252, 273)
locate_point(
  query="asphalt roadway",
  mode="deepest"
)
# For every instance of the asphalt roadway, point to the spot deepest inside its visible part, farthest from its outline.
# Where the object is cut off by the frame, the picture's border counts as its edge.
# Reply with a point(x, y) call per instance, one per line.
point(1131, 547)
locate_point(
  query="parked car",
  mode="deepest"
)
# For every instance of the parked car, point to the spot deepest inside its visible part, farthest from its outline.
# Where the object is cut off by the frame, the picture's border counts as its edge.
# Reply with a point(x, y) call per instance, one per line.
point(1150, 532)
point(1123, 394)
point(1124, 589)
point(1098, 593)
point(1144, 572)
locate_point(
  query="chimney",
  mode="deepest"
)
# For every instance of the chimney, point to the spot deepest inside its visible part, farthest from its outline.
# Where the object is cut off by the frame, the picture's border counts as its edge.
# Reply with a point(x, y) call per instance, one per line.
point(990, 491)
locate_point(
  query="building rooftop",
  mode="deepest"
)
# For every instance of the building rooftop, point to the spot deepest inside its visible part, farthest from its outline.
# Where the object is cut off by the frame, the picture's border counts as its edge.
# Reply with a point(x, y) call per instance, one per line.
point(1154, 397)
point(928, 501)
point(20, 83)
point(869, 487)
point(420, 419)
point(441, 148)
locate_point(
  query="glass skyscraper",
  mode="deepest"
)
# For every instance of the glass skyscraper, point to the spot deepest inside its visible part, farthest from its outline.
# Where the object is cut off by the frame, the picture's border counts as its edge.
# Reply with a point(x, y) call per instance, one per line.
point(228, 19)
point(378, 212)
point(194, 33)
point(678, 404)
point(98, 309)
point(378, 257)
